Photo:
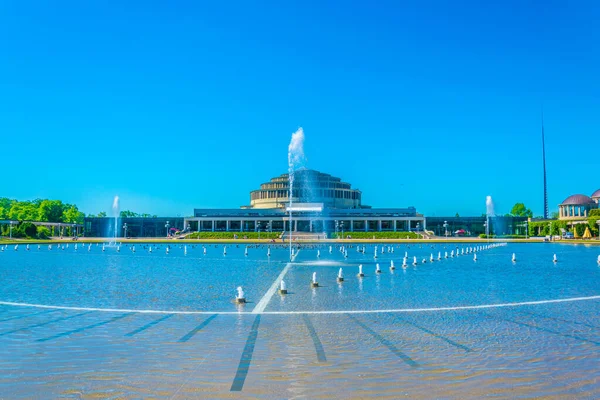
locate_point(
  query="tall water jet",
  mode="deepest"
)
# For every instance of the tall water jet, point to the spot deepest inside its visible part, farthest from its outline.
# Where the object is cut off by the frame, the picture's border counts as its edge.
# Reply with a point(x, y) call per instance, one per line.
point(116, 211)
point(489, 212)
point(295, 160)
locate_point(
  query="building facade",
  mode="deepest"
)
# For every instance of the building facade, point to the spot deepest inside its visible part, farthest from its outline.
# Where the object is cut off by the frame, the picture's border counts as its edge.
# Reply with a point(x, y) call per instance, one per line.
point(475, 226)
point(309, 186)
point(578, 206)
point(311, 220)
point(131, 226)
point(321, 204)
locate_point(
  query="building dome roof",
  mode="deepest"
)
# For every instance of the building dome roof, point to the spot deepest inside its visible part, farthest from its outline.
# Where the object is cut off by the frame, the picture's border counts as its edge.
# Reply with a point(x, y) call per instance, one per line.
point(596, 194)
point(577, 200)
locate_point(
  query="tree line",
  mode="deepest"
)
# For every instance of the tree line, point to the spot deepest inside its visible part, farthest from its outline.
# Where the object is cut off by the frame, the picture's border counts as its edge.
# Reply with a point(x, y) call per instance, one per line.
point(123, 214)
point(40, 210)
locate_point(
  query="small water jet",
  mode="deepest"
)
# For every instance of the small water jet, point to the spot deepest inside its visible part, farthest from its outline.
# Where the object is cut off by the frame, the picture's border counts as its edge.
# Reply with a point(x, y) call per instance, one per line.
point(377, 269)
point(282, 288)
point(239, 298)
point(314, 282)
point(360, 271)
point(340, 276)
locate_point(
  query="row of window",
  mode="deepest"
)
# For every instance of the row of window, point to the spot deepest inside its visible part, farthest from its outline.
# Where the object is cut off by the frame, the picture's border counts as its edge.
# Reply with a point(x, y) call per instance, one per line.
point(574, 211)
point(299, 193)
point(284, 185)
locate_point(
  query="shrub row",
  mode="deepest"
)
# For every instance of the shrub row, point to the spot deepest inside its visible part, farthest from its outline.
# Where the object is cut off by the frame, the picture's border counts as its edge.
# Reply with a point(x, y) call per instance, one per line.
point(233, 235)
point(484, 236)
point(379, 235)
point(27, 230)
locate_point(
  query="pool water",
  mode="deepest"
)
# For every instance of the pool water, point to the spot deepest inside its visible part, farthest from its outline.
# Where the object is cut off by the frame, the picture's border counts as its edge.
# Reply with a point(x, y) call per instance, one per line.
point(93, 323)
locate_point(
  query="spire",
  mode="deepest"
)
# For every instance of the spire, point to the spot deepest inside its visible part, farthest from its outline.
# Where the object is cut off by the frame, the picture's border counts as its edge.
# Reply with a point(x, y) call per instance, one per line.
point(544, 163)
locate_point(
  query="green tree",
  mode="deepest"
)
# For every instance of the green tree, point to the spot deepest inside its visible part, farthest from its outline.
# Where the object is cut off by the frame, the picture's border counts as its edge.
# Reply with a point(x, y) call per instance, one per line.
point(43, 232)
point(72, 215)
point(519, 210)
point(128, 214)
point(28, 229)
point(22, 211)
point(51, 211)
point(580, 229)
point(102, 214)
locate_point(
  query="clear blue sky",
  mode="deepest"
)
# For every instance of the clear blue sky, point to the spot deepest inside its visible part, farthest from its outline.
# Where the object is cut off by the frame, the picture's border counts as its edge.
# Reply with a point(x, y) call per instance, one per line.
point(176, 105)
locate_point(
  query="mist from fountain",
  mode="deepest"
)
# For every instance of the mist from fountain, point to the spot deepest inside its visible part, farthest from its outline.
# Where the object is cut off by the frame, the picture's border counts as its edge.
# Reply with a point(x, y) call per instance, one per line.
point(295, 160)
point(116, 212)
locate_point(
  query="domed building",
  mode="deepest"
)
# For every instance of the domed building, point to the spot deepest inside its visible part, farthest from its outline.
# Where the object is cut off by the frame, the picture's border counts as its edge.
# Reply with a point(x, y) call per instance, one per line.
point(596, 196)
point(319, 203)
point(309, 186)
point(578, 206)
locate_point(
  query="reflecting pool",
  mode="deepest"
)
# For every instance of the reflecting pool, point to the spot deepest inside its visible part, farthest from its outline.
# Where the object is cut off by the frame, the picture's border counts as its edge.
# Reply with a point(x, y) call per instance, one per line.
point(91, 323)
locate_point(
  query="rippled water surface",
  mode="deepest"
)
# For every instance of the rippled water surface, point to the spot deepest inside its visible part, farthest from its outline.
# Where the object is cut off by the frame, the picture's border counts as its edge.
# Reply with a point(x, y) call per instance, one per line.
point(158, 325)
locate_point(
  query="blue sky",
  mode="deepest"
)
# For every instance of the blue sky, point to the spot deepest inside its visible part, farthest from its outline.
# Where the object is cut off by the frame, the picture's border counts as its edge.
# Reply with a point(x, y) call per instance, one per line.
point(176, 105)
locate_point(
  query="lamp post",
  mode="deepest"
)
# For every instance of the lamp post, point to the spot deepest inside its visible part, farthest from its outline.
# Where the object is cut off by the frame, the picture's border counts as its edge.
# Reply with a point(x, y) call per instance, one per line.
point(268, 228)
point(337, 225)
point(10, 228)
point(446, 229)
point(487, 231)
point(73, 232)
point(258, 227)
point(342, 226)
point(167, 226)
point(526, 230)
point(125, 229)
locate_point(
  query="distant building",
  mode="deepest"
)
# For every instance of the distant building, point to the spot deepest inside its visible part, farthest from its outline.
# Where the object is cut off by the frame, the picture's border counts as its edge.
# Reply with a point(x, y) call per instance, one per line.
point(320, 203)
point(309, 186)
point(475, 226)
point(578, 206)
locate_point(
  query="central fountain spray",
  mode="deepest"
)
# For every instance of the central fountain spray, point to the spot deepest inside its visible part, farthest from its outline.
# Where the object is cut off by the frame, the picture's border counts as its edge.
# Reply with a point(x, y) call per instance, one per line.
point(295, 160)
point(489, 212)
point(116, 210)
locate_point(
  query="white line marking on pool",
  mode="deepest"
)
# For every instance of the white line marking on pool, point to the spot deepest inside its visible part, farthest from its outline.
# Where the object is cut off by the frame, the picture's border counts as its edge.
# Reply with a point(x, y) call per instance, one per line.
point(262, 304)
point(399, 310)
